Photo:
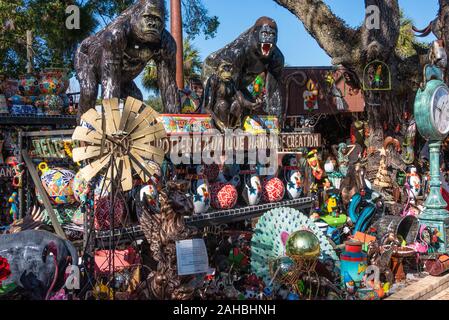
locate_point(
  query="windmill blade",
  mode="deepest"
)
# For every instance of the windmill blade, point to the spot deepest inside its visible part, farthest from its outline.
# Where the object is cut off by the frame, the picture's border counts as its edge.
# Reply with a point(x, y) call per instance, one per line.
point(158, 130)
point(92, 169)
point(83, 153)
point(112, 115)
point(132, 107)
point(137, 168)
point(148, 115)
point(93, 118)
point(150, 152)
point(87, 135)
point(126, 179)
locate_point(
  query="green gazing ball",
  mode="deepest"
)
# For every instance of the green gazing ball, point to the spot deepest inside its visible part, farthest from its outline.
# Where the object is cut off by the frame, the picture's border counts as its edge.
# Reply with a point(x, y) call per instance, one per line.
point(303, 244)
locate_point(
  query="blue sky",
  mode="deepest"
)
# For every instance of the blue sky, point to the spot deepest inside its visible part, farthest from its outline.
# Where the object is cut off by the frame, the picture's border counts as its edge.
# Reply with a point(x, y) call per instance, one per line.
point(299, 48)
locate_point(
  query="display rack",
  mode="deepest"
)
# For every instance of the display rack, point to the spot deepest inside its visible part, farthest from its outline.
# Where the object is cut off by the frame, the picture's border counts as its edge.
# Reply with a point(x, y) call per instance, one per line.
point(209, 219)
point(32, 120)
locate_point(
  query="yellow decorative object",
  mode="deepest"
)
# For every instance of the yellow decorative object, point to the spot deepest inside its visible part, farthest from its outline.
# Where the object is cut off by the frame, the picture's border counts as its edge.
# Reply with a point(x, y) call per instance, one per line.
point(43, 167)
point(261, 124)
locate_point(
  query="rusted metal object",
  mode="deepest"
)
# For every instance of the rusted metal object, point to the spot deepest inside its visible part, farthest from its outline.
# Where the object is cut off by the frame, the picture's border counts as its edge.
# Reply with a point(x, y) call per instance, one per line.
point(176, 32)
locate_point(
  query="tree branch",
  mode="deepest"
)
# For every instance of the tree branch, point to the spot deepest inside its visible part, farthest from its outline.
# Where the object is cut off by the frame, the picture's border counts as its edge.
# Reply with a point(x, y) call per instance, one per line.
point(332, 34)
point(379, 43)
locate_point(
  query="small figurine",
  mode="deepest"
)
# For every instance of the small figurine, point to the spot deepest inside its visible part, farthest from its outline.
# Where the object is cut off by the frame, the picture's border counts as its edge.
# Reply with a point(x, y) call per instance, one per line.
point(314, 163)
point(349, 283)
point(414, 182)
point(14, 211)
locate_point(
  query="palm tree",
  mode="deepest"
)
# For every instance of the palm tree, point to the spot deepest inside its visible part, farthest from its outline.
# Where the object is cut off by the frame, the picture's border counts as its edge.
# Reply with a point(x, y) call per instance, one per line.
point(407, 43)
point(192, 67)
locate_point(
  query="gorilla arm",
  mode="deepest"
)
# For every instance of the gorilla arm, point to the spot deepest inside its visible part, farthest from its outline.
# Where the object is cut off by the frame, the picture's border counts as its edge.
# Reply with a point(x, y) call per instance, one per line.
point(114, 45)
point(166, 67)
point(273, 84)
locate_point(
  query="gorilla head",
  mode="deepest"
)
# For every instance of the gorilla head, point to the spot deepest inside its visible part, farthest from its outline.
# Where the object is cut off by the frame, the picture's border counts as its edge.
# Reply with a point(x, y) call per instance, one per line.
point(148, 23)
point(267, 35)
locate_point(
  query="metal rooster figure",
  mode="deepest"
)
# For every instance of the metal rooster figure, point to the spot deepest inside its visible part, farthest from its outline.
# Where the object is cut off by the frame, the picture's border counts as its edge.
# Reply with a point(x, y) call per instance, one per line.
point(116, 55)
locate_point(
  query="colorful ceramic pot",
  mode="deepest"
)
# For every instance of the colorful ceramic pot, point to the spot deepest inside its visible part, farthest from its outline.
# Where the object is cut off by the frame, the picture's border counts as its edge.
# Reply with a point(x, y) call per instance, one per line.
point(252, 189)
point(273, 190)
point(28, 85)
point(102, 208)
point(52, 105)
point(19, 110)
point(150, 196)
point(3, 105)
point(223, 196)
point(353, 262)
point(65, 101)
point(80, 187)
point(21, 100)
point(58, 184)
point(53, 82)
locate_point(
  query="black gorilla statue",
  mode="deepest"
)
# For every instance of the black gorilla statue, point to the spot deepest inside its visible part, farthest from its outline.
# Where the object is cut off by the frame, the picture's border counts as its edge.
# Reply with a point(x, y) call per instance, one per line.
point(116, 55)
point(252, 53)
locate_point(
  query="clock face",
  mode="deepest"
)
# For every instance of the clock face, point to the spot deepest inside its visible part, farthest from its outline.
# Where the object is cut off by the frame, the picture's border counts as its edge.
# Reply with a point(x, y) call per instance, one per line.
point(440, 110)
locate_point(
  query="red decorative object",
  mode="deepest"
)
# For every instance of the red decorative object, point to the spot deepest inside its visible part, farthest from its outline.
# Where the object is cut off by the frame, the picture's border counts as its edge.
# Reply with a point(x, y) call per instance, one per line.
point(5, 269)
point(223, 195)
point(273, 190)
point(101, 212)
point(123, 259)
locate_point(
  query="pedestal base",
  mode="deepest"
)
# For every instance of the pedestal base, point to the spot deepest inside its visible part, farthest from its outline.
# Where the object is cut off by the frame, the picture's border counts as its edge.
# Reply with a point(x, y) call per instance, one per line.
point(438, 222)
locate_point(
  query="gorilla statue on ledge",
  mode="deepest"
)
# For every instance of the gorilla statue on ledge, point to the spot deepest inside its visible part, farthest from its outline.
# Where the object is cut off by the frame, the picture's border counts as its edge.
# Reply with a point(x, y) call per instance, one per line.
point(252, 53)
point(116, 55)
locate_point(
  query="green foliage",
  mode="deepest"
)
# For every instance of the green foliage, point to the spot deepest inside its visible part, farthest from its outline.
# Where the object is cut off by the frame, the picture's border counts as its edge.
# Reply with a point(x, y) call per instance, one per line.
point(155, 102)
point(197, 20)
point(407, 42)
point(192, 67)
point(53, 44)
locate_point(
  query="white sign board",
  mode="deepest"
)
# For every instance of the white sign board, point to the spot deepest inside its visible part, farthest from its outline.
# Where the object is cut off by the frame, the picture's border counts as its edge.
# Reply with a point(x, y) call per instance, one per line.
point(192, 257)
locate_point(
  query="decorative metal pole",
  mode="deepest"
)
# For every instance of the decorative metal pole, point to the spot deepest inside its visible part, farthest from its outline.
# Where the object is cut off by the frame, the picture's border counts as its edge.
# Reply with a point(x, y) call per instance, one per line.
point(176, 31)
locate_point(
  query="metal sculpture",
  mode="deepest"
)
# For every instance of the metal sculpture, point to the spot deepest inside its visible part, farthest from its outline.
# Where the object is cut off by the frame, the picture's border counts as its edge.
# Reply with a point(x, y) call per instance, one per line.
point(34, 272)
point(116, 55)
point(224, 101)
point(252, 53)
point(162, 230)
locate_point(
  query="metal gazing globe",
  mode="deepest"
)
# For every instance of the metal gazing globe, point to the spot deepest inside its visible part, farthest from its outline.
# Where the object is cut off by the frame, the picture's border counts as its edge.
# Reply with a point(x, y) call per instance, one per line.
point(303, 244)
point(282, 267)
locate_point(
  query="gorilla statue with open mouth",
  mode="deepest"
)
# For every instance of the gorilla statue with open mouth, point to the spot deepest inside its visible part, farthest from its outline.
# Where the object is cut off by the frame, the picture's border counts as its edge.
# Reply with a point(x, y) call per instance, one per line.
point(116, 55)
point(252, 53)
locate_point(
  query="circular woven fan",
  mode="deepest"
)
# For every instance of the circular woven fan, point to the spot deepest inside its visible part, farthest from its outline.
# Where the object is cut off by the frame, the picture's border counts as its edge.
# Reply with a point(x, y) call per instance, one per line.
point(124, 141)
point(272, 229)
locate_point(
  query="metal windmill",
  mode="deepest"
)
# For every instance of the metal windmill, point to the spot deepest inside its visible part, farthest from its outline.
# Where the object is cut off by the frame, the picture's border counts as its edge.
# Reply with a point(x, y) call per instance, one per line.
point(116, 144)
point(127, 138)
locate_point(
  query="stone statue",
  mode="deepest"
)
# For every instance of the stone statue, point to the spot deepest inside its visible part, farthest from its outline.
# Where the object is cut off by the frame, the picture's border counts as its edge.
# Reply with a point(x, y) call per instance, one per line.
point(116, 55)
point(252, 53)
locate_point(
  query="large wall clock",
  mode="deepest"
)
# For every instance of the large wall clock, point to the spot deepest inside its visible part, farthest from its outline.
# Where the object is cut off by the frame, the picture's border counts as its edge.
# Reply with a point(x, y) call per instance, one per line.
point(432, 110)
